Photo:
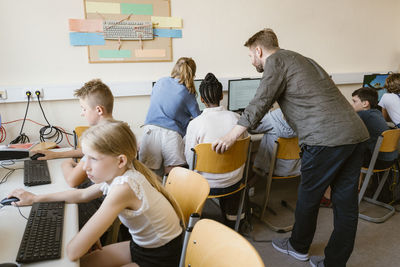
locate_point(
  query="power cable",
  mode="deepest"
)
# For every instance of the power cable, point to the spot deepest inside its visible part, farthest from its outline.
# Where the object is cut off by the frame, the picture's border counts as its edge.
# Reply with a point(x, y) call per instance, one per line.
point(22, 137)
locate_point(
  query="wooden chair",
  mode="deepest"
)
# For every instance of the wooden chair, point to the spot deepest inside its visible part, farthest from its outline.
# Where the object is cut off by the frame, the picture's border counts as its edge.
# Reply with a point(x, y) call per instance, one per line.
point(189, 189)
point(387, 142)
point(78, 133)
point(207, 160)
point(284, 148)
point(212, 244)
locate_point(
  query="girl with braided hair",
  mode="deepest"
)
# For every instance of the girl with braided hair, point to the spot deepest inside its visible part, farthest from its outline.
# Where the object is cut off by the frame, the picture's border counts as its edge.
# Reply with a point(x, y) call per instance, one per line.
point(214, 122)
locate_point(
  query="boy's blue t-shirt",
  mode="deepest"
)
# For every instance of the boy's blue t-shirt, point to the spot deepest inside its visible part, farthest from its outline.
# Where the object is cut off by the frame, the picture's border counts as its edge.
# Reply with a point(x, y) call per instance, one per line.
point(376, 125)
point(171, 105)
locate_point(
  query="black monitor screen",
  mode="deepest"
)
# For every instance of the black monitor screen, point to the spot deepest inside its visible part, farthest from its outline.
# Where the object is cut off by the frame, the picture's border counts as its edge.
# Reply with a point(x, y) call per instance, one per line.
point(241, 92)
point(376, 81)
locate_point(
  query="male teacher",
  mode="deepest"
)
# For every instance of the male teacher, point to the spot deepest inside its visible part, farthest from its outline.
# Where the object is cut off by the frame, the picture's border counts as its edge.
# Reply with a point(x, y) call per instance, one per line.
point(330, 136)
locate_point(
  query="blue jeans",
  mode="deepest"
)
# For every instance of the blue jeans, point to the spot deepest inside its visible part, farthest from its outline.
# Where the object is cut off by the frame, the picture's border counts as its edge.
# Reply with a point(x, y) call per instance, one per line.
point(338, 167)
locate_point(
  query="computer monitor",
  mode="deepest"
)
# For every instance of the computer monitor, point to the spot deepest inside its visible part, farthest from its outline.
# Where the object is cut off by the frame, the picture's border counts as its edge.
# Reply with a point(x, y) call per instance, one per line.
point(376, 81)
point(241, 92)
point(197, 86)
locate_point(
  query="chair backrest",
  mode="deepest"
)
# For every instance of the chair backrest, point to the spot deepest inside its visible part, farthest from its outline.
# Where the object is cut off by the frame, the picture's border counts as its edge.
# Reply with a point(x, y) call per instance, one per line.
point(79, 131)
point(207, 160)
point(214, 244)
point(189, 189)
point(390, 140)
point(288, 148)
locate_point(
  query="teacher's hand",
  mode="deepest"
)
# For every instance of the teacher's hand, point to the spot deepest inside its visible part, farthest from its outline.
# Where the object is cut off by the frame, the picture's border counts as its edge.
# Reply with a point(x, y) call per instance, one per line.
point(224, 143)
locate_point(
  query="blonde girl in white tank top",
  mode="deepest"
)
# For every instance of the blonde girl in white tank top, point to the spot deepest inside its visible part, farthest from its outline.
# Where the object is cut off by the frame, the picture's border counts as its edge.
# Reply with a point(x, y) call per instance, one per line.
point(133, 193)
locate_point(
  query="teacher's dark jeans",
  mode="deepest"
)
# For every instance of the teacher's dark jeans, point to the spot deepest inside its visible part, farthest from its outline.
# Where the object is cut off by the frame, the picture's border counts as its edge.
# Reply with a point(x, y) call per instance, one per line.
point(338, 167)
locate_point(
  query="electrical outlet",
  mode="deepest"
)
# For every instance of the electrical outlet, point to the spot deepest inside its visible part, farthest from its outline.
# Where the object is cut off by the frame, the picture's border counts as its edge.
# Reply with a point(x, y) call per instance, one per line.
point(27, 92)
point(38, 91)
point(33, 92)
point(3, 94)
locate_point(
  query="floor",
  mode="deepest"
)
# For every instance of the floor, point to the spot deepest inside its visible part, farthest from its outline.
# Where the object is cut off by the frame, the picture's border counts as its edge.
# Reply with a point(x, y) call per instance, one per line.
point(376, 244)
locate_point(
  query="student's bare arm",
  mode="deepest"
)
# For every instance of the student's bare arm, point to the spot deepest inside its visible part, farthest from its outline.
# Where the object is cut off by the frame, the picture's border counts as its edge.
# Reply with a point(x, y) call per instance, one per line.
point(73, 172)
point(386, 115)
point(48, 154)
point(120, 197)
point(71, 196)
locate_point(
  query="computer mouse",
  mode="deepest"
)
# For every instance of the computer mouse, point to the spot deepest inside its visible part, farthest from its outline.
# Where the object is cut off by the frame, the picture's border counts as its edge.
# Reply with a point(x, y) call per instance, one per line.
point(8, 264)
point(37, 155)
point(7, 201)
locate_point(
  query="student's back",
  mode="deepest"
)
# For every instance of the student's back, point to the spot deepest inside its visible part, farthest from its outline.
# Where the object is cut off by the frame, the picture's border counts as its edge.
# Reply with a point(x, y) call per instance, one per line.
point(214, 122)
point(171, 105)
point(209, 126)
point(390, 102)
point(376, 125)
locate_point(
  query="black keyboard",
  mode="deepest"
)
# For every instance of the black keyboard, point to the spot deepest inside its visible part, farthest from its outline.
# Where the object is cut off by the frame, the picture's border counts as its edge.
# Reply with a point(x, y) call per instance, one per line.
point(36, 172)
point(43, 233)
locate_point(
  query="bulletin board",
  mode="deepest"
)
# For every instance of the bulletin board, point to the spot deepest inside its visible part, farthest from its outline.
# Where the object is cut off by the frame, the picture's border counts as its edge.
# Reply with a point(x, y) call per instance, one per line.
point(155, 50)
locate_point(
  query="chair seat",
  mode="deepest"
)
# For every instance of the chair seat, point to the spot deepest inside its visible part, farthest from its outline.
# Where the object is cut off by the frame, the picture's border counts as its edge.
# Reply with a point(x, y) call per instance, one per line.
point(364, 170)
point(242, 186)
point(286, 177)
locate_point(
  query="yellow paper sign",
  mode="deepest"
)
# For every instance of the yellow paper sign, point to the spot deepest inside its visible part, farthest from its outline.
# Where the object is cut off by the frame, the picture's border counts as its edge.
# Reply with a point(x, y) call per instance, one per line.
point(173, 22)
point(103, 7)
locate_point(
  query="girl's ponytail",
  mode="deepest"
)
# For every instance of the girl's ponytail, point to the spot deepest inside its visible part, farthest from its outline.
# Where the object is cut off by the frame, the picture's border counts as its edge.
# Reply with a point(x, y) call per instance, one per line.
point(154, 181)
point(185, 70)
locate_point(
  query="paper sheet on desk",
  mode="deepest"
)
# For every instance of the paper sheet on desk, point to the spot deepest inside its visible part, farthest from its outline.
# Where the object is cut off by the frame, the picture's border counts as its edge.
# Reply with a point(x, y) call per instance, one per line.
point(23, 146)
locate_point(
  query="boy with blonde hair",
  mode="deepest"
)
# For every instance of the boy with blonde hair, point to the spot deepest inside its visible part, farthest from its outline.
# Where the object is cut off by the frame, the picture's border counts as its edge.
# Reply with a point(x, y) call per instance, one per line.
point(96, 101)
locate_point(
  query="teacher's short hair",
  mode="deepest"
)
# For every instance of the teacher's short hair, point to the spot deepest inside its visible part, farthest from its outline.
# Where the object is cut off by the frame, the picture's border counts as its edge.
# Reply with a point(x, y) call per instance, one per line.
point(265, 38)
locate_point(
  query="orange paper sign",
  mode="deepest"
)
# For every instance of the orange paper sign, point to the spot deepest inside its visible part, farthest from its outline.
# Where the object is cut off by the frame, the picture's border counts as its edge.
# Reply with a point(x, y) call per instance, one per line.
point(85, 25)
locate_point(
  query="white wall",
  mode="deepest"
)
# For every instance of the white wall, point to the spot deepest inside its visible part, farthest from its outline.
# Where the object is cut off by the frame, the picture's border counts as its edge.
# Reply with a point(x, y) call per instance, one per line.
point(343, 36)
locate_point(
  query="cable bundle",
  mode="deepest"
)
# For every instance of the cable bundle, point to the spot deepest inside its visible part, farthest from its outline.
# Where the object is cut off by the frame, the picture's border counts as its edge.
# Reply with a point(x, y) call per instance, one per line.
point(23, 138)
point(49, 132)
point(3, 134)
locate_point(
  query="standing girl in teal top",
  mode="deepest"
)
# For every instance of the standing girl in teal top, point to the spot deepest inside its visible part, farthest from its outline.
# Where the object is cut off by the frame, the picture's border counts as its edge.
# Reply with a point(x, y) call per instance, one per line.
point(172, 105)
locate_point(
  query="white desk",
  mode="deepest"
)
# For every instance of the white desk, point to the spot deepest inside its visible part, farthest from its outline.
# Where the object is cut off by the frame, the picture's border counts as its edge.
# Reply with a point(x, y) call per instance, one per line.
point(12, 224)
